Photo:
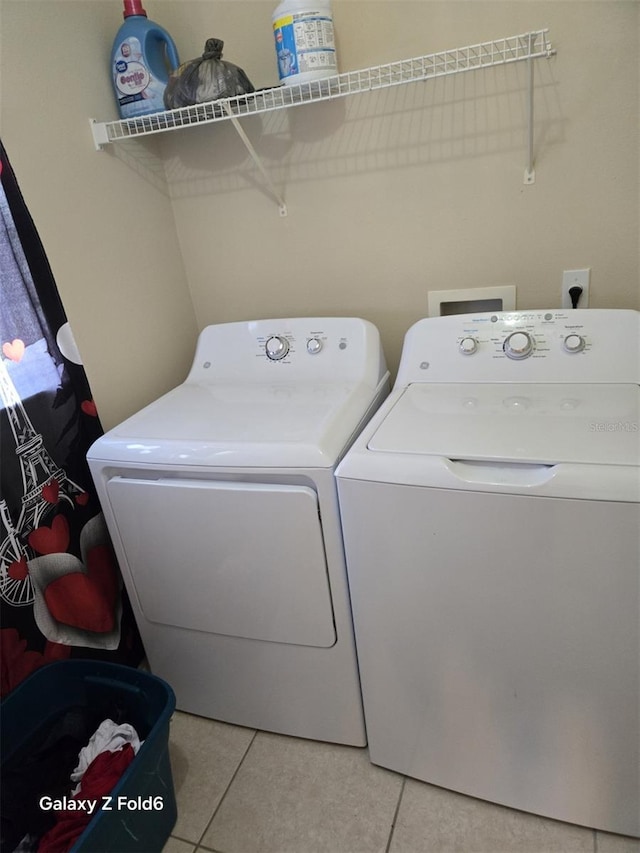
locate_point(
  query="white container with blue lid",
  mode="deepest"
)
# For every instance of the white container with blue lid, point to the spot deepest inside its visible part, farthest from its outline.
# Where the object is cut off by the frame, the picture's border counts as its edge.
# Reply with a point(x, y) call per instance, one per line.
point(305, 41)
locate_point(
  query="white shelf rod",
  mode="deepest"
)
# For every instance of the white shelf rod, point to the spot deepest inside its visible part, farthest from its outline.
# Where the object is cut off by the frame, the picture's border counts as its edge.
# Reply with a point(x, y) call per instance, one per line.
point(282, 207)
point(530, 173)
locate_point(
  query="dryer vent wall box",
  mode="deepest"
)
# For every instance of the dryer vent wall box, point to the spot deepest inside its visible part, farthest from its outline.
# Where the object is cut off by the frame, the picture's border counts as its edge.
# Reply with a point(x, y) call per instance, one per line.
point(442, 303)
point(221, 502)
point(496, 615)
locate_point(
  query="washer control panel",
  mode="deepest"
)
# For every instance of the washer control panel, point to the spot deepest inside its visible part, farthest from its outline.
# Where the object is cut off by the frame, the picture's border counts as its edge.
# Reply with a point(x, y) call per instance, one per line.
point(581, 345)
point(523, 335)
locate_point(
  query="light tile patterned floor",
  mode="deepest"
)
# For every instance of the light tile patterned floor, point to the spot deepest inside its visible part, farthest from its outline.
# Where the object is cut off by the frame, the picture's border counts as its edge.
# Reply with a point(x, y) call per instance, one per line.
point(241, 791)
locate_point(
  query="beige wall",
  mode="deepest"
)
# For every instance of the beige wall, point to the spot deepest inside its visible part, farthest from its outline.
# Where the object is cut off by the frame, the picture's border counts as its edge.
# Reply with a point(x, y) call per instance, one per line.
point(390, 194)
point(419, 187)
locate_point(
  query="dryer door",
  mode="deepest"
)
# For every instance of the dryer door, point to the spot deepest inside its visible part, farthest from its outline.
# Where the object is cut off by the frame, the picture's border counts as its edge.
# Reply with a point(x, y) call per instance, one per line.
point(241, 559)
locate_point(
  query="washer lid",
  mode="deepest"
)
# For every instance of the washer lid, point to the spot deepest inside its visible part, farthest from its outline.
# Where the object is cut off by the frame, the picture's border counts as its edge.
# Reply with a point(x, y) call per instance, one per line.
point(268, 424)
point(547, 424)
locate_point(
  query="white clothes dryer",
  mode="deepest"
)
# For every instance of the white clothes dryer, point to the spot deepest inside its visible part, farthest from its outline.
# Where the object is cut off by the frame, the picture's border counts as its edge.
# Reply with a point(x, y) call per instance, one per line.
point(221, 501)
point(491, 518)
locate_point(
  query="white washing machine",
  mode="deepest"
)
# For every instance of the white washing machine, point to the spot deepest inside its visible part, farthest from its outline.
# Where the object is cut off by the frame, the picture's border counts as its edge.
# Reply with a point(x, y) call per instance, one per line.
point(221, 501)
point(492, 532)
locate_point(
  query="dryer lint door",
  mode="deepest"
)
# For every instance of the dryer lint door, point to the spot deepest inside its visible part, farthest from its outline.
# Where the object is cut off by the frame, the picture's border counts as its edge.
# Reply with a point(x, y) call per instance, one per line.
point(233, 558)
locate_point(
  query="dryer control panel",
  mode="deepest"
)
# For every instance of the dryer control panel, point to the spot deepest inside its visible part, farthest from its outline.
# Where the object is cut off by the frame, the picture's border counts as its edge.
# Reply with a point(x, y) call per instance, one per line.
point(306, 349)
point(588, 345)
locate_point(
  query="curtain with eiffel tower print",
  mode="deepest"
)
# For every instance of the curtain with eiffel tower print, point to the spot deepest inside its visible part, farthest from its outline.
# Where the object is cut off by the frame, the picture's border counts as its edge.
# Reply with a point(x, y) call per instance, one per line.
point(61, 592)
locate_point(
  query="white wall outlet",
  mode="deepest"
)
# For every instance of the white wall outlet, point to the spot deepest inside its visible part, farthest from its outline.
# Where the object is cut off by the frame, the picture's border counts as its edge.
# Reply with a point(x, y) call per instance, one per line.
point(575, 278)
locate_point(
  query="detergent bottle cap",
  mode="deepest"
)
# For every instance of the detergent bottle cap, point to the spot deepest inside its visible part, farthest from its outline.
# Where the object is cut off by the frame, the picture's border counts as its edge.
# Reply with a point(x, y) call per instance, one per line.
point(133, 7)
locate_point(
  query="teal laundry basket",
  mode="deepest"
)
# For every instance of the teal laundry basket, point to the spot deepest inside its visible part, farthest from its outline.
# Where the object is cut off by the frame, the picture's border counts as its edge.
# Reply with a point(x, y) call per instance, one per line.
point(143, 805)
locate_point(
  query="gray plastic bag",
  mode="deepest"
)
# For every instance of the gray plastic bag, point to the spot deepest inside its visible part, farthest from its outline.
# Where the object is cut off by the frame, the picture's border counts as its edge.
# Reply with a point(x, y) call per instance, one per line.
point(205, 79)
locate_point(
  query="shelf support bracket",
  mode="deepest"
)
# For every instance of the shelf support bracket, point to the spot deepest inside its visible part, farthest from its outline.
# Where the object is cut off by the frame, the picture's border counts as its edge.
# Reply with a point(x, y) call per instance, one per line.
point(282, 207)
point(100, 136)
point(530, 172)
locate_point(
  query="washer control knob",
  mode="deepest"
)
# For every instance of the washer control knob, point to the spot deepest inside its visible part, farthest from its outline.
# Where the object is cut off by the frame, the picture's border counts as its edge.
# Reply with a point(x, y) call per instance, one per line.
point(468, 346)
point(518, 345)
point(574, 343)
point(276, 347)
point(314, 345)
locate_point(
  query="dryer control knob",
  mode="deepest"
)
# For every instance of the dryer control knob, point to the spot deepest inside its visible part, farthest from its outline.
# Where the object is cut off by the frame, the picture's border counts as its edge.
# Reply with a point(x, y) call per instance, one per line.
point(574, 343)
point(468, 346)
point(276, 347)
point(314, 345)
point(518, 345)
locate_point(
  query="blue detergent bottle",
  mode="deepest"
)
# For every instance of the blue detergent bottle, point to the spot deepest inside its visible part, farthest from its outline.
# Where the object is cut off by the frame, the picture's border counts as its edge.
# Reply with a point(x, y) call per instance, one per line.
point(142, 57)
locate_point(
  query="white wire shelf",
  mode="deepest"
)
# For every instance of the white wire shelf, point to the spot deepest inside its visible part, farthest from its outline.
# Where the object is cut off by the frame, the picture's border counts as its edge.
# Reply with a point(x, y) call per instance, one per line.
point(527, 46)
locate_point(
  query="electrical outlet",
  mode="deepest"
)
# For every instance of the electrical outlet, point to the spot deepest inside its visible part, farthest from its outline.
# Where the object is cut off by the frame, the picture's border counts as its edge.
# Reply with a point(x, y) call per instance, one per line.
point(575, 278)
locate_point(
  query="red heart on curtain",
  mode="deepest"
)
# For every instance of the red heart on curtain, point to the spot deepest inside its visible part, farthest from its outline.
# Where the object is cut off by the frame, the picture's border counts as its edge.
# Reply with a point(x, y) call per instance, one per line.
point(51, 540)
point(89, 408)
point(51, 491)
point(87, 601)
point(82, 499)
point(14, 350)
point(77, 600)
point(18, 570)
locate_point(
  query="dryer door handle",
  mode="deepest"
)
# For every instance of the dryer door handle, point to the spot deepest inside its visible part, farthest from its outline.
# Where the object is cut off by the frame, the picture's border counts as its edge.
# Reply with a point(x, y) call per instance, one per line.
point(523, 474)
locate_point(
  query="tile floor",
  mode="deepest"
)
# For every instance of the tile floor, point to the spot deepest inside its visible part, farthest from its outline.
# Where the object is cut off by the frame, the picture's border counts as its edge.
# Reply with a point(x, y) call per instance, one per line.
point(242, 791)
